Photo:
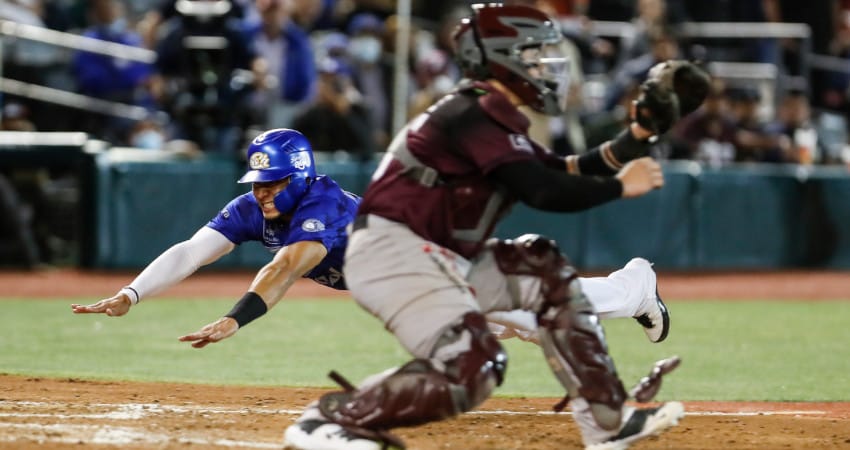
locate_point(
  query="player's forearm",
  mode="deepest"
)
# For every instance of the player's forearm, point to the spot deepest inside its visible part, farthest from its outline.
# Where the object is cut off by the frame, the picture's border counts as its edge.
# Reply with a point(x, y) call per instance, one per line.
point(272, 282)
point(275, 278)
point(611, 156)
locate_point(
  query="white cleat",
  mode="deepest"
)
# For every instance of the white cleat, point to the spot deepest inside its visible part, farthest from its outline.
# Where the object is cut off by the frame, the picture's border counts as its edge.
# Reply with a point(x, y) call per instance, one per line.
point(319, 434)
point(642, 424)
point(653, 316)
point(312, 431)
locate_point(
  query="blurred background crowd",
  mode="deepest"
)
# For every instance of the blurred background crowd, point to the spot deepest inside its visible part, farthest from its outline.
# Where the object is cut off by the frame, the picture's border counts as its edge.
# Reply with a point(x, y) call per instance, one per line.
point(202, 77)
point(218, 71)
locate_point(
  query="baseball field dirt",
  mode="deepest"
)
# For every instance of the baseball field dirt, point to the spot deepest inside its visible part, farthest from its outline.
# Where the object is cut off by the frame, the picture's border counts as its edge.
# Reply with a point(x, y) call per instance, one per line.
point(84, 414)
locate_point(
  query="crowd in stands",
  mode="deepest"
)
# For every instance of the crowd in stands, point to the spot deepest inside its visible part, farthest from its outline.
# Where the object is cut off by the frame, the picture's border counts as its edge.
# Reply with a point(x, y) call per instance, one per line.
point(226, 69)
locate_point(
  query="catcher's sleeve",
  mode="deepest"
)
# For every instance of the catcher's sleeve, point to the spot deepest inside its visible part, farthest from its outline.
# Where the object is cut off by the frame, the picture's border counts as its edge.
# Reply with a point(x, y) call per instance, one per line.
point(180, 261)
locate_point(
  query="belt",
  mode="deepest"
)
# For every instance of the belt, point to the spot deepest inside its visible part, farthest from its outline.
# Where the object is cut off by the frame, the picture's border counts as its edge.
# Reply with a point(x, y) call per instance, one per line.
point(360, 222)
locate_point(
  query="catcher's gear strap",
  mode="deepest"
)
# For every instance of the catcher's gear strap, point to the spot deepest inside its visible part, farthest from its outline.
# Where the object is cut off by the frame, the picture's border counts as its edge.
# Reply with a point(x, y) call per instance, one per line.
point(535, 255)
point(423, 390)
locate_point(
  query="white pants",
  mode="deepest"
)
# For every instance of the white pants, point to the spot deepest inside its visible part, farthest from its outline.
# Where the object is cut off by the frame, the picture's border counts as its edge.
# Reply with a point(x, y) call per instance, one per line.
point(623, 293)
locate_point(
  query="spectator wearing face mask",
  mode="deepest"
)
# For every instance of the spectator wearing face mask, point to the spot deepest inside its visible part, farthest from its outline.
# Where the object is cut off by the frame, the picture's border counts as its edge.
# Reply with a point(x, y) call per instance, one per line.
point(371, 72)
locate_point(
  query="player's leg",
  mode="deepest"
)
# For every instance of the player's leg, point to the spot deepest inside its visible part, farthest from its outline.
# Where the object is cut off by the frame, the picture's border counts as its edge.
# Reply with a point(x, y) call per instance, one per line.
point(419, 291)
point(628, 292)
point(570, 335)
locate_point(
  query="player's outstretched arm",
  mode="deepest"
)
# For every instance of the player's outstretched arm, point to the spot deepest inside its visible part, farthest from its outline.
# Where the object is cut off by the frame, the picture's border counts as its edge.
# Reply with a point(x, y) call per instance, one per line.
point(114, 306)
point(268, 288)
point(169, 268)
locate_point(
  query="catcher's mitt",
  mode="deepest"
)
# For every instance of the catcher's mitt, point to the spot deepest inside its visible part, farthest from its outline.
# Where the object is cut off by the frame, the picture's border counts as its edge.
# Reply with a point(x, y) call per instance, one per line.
point(672, 90)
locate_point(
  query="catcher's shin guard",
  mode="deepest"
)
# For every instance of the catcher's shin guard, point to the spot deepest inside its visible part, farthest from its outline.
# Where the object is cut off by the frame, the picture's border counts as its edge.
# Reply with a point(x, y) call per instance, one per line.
point(425, 390)
point(569, 330)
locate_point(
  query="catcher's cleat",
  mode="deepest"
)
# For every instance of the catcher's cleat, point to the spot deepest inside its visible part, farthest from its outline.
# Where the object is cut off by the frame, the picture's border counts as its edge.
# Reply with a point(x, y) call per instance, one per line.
point(642, 423)
point(653, 315)
point(312, 431)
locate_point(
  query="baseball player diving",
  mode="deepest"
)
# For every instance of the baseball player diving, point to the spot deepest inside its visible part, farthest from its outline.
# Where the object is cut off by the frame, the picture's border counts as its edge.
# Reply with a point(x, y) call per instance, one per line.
point(301, 218)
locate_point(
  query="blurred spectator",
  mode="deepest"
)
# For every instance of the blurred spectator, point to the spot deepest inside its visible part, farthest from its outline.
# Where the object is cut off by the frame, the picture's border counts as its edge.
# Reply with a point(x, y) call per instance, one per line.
point(151, 24)
point(147, 134)
point(313, 14)
point(754, 142)
point(372, 71)
point(288, 54)
point(794, 120)
point(202, 58)
point(31, 61)
point(18, 244)
point(111, 78)
point(709, 132)
point(730, 49)
point(651, 15)
point(663, 46)
point(835, 94)
point(16, 117)
point(337, 122)
point(433, 81)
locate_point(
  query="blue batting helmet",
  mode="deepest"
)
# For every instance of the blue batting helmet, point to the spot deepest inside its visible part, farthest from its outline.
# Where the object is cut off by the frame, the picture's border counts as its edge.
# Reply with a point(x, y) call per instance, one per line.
point(278, 154)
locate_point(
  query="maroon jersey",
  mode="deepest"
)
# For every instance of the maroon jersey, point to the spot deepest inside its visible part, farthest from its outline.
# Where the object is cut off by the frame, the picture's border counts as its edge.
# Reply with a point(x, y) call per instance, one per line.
point(463, 137)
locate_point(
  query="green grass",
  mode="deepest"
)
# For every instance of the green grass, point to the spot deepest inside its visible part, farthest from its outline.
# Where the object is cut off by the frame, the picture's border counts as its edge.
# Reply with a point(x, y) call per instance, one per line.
point(777, 351)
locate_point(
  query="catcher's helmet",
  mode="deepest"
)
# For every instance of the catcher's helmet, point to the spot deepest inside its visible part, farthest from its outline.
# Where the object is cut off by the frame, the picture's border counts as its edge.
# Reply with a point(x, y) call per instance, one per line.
point(518, 46)
point(278, 154)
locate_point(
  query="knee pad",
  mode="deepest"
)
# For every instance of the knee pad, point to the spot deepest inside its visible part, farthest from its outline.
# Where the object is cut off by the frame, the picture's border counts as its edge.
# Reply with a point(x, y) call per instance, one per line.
point(468, 363)
point(537, 256)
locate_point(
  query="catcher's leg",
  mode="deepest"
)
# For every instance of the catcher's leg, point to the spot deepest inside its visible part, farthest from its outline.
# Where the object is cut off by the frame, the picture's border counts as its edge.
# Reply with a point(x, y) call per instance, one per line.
point(419, 293)
point(568, 327)
point(467, 364)
point(574, 344)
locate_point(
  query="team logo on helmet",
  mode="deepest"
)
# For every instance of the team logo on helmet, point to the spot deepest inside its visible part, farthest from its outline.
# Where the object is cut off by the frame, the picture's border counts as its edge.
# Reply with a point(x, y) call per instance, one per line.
point(300, 160)
point(259, 161)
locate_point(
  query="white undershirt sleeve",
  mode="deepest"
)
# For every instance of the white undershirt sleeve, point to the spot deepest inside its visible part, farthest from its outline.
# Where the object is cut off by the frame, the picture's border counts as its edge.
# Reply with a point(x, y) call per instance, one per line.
point(178, 262)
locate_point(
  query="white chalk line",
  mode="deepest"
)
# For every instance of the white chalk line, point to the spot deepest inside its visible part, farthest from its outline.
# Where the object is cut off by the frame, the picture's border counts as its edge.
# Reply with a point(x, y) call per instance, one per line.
point(125, 435)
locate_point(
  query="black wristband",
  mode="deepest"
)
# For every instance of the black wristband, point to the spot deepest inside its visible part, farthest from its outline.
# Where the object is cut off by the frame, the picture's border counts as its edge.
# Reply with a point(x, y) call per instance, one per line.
point(248, 308)
point(625, 147)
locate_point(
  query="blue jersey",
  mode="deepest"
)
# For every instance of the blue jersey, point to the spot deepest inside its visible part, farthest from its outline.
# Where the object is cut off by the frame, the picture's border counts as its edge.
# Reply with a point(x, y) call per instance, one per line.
point(321, 216)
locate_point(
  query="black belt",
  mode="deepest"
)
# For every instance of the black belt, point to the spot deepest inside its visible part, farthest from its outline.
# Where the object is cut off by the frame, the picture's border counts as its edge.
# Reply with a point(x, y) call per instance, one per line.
point(360, 222)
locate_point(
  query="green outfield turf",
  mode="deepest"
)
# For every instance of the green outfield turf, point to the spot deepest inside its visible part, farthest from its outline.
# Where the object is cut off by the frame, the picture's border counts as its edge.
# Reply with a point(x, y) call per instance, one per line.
point(731, 350)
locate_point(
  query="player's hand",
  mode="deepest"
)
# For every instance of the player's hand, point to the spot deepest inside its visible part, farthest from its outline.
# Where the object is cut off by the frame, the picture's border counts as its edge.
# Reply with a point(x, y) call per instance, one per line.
point(220, 329)
point(640, 176)
point(114, 306)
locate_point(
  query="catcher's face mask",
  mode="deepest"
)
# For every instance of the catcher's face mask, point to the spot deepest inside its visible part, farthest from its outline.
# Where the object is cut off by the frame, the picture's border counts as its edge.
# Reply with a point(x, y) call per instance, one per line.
point(549, 65)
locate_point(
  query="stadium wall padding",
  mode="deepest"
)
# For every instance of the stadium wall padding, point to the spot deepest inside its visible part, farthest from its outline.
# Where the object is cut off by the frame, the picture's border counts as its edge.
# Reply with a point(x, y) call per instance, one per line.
point(749, 217)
